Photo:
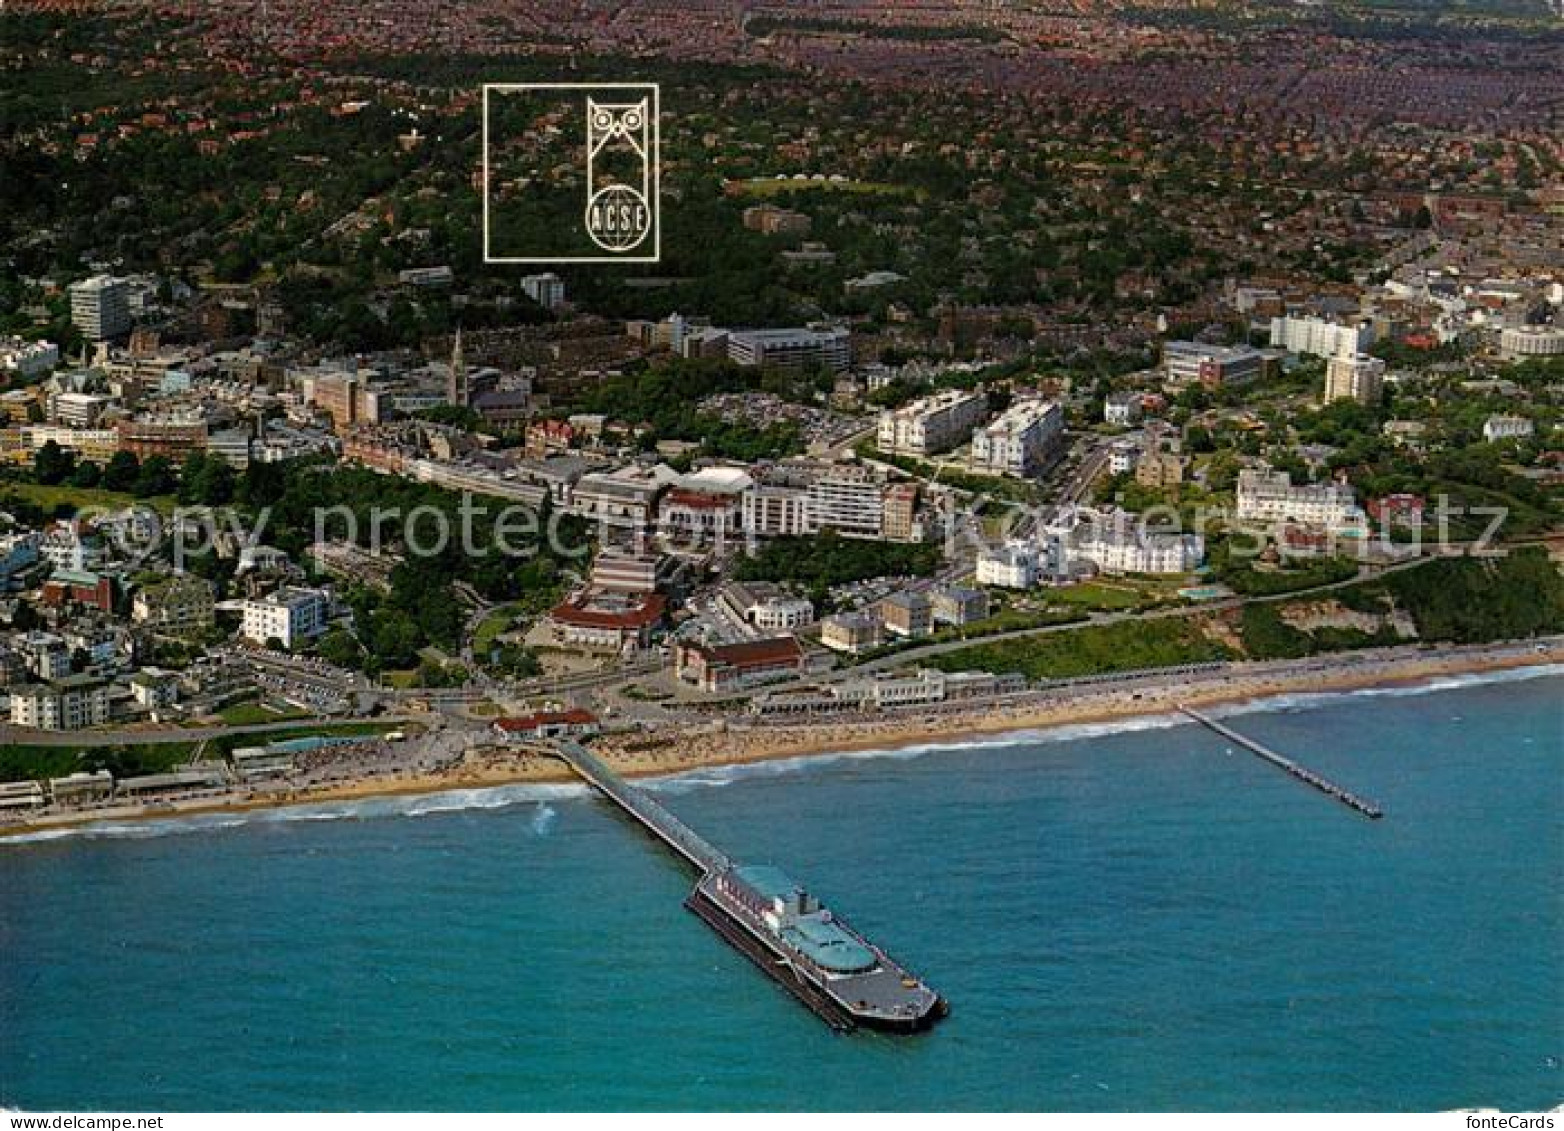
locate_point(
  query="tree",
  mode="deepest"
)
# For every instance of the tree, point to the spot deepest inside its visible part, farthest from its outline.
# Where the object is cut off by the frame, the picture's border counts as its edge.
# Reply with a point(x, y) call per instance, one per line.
point(338, 647)
point(120, 472)
point(206, 480)
point(516, 661)
point(393, 638)
point(86, 475)
point(53, 464)
point(156, 477)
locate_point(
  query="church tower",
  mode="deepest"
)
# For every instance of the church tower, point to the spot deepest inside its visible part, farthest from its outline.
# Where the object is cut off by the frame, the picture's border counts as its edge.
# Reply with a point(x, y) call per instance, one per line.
point(456, 392)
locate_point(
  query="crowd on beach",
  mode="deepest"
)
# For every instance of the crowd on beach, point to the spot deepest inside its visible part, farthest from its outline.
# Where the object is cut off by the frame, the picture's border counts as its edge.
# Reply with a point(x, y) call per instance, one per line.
point(444, 759)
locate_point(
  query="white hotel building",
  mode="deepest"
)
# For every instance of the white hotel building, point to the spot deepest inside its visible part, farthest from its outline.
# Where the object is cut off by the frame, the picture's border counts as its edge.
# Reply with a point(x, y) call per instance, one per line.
point(1011, 566)
point(69, 703)
point(1265, 495)
point(100, 307)
point(1518, 343)
point(1023, 441)
point(1120, 542)
point(1320, 337)
point(289, 615)
point(932, 424)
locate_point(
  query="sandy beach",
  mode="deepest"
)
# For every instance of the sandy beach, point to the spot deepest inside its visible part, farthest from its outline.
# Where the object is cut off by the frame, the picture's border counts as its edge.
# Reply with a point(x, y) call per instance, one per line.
point(744, 740)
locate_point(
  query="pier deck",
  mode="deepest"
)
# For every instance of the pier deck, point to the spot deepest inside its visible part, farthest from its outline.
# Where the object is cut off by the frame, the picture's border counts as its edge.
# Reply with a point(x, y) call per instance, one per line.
point(1329, 788)
point(878, 993)
point(637, 804)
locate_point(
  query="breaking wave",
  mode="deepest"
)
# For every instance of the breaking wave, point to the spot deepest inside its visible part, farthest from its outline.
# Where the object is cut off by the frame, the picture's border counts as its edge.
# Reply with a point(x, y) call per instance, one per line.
point(687, 781)
point(1309, 700)
point(369, 808)
point(710, 777)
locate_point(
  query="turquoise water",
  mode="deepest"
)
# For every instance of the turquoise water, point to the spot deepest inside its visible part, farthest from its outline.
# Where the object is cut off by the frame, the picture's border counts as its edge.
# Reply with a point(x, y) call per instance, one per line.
point(307, 745)
point(1124, 919)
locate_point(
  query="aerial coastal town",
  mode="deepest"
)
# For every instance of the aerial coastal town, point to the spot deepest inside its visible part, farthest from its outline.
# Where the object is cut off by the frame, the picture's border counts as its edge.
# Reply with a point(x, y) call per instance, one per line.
point(1005, 366)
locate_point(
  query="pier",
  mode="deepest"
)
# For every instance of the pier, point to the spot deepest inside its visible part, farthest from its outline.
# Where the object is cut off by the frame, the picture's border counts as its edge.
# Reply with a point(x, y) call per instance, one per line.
point(649, 814)
point(834, 971)
point(1329, 788)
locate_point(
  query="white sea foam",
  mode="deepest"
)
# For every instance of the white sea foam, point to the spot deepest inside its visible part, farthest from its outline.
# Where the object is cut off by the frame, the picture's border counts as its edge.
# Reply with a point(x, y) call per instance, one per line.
point(1310, 700)
point(369, 808)
point(708, 777)
point(543, 818)
point(712, 776)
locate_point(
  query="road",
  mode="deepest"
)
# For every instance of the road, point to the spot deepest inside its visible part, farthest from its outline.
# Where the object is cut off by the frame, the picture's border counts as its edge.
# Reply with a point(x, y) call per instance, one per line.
point(1084, 476)
point(927, 651)
point(620, 676)
point(143, 737)
point(844, 447)
point(913, 655)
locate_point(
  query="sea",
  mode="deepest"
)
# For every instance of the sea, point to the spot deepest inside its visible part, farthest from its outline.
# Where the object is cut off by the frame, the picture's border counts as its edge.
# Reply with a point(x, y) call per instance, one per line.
point(1126, 916)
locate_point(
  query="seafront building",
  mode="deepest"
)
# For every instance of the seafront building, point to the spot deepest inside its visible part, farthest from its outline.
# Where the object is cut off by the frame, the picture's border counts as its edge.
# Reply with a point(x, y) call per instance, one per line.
point(66, 703)
point(889, 691)
point(290, 615)
point(1011, 566)
point(181, 605)
point(1119, 542)
point(1023, 441)
point(851, 632)
point(931, 425)
point(599, 620)
point(908, 615)
point(1266, 495)
point(730, 667)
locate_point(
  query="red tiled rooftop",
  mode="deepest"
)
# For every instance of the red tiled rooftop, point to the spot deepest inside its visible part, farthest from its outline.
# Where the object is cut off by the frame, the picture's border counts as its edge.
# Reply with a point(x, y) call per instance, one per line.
point(581, 613)
point(755, 653)
point(522, 723)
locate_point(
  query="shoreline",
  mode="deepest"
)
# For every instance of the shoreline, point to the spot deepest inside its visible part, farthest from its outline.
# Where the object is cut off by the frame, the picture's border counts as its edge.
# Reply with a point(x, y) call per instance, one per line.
point(742, 743)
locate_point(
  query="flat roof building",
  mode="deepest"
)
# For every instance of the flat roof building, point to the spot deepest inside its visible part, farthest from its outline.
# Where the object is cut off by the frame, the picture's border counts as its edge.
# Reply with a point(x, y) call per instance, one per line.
point(1024, 440)
point(792, 350)
point(100, 307)
point(1354, 377)
point(69, 703)
point(933, 424)
point(1321, 337)
point(1189, 363)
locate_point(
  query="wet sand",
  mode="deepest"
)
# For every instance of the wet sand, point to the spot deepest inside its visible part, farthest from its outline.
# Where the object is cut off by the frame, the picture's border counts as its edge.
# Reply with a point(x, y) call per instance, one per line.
point(748, 739)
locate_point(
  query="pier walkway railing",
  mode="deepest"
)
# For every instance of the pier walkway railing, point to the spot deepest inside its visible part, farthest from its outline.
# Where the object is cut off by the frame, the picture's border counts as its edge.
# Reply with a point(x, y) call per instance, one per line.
point(1329, 788)
point(639, 805)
